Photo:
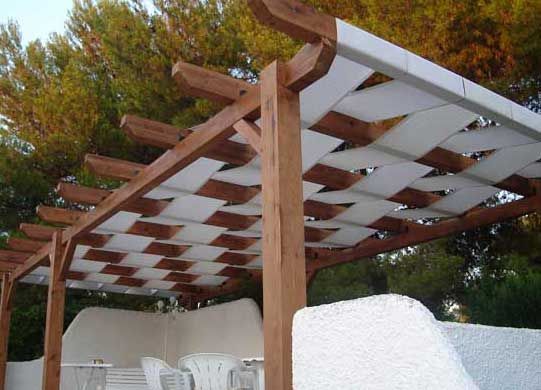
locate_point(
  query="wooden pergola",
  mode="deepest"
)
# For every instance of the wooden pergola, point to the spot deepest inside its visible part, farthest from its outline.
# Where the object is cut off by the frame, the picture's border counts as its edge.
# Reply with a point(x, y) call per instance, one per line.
point(266, 189)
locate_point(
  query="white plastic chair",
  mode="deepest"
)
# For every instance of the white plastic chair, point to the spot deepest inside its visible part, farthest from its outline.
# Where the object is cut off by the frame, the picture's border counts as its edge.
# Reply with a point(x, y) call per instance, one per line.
point(214, 371)
point(161, 376)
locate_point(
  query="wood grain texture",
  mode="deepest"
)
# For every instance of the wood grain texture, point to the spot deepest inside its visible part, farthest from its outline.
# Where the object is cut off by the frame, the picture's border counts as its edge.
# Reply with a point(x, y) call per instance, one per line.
point(24, 245)
point(284, 268)
point(54, 325)
point(166, 136)
point(251, 133)
point(5, 319)
point(295, 19)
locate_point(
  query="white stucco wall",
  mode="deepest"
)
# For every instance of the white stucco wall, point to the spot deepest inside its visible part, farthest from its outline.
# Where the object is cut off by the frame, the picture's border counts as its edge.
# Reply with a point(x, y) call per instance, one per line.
point(498, 358)
point(122, 337)
point(381, 342)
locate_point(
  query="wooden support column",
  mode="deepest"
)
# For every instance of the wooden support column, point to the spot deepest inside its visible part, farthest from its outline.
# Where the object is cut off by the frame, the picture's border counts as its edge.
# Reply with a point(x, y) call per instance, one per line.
point(55, 317)
point(5, 318)
point(284, 268)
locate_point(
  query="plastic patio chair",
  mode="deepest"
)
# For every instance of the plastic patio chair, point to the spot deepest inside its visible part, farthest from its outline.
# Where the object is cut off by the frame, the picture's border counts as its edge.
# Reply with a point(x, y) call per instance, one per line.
point(214, 371)
point(161, 376)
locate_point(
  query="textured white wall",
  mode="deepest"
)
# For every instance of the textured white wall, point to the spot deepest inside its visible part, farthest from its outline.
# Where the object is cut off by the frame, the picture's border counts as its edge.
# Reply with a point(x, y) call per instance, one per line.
point(122, 337)
point(381, 342)
point(498, 358)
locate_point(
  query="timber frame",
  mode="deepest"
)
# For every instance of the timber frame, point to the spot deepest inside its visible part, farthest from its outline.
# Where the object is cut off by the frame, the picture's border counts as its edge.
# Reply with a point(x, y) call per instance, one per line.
point(275, 142)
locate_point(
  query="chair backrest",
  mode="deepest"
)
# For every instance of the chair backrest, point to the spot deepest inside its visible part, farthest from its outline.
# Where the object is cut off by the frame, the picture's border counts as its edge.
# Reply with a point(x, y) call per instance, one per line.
point(125, 379)
point(211, 371)
point(154, 370)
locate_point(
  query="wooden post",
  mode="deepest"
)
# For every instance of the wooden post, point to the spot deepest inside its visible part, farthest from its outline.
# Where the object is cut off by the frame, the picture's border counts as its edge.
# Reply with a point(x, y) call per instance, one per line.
point(284, 268)
point(55, 317)
point(5, 317)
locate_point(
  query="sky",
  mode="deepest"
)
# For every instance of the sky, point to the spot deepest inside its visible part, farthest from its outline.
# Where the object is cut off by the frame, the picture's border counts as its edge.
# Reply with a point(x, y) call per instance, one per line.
point(36, 18)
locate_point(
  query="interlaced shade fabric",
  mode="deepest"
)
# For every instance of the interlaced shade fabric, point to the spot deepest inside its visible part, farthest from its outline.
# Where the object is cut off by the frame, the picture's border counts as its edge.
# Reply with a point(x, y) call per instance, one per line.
point(408, 157)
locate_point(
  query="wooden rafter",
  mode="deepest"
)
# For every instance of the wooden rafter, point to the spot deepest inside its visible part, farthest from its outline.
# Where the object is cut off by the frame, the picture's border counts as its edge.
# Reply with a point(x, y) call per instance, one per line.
point(357, 132)
point(14, 256)
point(24, 245)
point(295, 19)
point(199, 143)
point(420, 234)
point(361, 133)
point(213, 189)
point(166, 136)
point(126, 170)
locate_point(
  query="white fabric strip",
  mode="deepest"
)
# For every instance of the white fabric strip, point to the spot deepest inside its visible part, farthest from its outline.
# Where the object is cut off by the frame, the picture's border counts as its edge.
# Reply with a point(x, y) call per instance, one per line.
point(320, 97)
point(496, 137)
point(491, 170)
point(385, 101)
point(382, 56)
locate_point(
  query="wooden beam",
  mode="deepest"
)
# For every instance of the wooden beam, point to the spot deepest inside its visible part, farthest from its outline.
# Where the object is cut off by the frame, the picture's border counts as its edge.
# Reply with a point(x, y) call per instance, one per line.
point(46, 233)
point(126, 170)
point(338, 179)
point(24, 245)
point(13, 256)
point(193, 82)
point(165, 232)
point(7, 267)
point(307, 66)
point(41, 257)
point(295, 19)
point(37, 232)
point(339, 125)
point(312, 62)
point(59, 216)
point(148, 132)
point(113, 168)
point(284, 271)
point(166, 136)
point(93, 196)
point(5, 319)
point(227, 191)
point(212, 189)
point(66, 259)
point(424, 233)
point(208, 136)
point(54, 326)
point(361, 134)
point(251, 133)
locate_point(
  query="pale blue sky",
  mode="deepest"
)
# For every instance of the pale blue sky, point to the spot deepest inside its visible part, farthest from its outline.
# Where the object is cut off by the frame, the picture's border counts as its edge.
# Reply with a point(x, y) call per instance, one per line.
point(37, 18)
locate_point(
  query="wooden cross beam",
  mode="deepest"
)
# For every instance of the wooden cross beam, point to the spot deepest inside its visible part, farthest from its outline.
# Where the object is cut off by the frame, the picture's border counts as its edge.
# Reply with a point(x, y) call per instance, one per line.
point(24, 245)
point(209, 135)
point(125, 170)
point(166, 136)
point(295, 19)
point(334, 178)
point(420, 234)
point(361, 134)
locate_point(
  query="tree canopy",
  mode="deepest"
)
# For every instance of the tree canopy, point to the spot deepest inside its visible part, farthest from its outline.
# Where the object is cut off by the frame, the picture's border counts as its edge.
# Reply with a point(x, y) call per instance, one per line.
point(63, 97)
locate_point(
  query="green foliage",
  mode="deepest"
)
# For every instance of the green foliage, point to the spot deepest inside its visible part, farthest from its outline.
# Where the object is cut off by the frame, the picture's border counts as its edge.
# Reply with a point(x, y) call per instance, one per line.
point(427, 273)
point(347, 281)
point(512, 301)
